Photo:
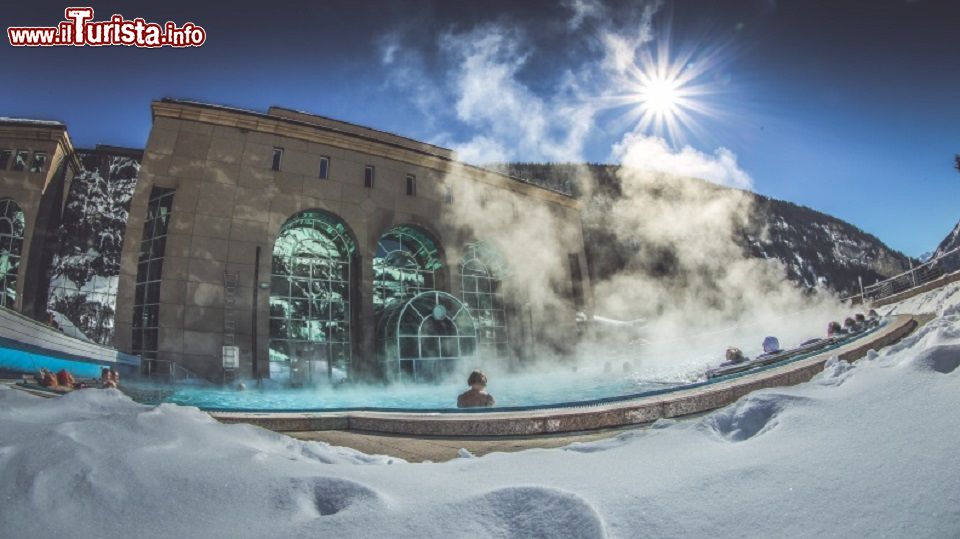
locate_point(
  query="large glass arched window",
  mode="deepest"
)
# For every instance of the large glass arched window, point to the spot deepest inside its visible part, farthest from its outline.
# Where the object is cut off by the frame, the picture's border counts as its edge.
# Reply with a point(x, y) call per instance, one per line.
point(482, 270)
point(310, 286)
point(423, 338)
point(11, 245)
point(405, 264)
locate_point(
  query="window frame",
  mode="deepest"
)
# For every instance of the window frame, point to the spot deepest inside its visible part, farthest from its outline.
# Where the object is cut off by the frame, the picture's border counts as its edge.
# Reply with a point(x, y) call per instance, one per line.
point(324, 171)
point(26, 160)
point(146, 303)
point(11, 251)
point(369, 176)
point(277, 161)
point(411, 185)
point(33, 161)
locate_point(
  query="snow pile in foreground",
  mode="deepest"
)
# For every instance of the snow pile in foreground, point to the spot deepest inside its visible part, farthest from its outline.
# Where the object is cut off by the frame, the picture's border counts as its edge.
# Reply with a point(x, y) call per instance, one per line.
point(862, 450)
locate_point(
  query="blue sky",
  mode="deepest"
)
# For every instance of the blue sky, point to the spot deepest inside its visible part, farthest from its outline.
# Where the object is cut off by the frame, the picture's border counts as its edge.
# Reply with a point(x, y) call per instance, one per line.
point(846, 107)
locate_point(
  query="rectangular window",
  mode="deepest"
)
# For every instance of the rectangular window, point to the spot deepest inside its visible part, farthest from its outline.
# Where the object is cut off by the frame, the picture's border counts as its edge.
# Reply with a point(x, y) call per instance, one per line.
point(20, 162)
point(368, 176)
point(39, 159)
point(324, 168)
point(5, 156)
point(411, 185)
point(146, 304)
point(448, 195)
point(576, 280)
point(277, 157)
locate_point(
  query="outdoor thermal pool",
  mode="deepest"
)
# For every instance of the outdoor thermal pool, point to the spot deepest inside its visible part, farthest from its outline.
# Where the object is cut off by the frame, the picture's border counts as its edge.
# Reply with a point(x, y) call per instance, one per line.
point(510, 390)
point(514, 391)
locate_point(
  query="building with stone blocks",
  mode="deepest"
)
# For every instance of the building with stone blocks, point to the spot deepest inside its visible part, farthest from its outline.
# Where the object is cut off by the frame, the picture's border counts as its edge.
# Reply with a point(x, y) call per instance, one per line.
point(302, 248)
point(37, 163)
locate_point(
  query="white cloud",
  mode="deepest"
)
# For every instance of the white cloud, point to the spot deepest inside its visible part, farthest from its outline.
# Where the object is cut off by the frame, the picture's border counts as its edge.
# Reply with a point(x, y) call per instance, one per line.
point(584, 10)
point(491, 99)
point(647, 153)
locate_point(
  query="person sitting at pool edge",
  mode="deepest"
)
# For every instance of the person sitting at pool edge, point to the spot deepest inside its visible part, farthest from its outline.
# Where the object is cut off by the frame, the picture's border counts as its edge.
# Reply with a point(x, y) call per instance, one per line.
point(477, 395)
point(109, 378)
point(46, 378)
point(65, 379)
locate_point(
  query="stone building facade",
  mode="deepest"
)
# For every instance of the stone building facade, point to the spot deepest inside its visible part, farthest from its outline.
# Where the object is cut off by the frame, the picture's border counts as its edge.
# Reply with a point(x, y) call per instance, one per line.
point(37, 163)
point(303, 247)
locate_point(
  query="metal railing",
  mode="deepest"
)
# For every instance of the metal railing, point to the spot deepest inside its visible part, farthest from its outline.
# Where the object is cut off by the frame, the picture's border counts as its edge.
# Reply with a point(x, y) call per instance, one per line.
point(168, 371)
point(916, 276)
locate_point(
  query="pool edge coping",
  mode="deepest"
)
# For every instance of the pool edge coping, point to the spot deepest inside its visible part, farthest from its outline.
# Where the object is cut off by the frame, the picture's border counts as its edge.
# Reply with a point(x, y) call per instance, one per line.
point(635, 412)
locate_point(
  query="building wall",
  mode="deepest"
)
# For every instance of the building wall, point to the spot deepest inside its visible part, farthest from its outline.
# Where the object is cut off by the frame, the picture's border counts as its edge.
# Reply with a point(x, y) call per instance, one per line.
point(228, 202)
point(40, 195)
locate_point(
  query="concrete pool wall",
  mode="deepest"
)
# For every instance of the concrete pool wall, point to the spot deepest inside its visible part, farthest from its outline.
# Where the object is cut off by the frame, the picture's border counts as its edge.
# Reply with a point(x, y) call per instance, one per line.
point(643, 410)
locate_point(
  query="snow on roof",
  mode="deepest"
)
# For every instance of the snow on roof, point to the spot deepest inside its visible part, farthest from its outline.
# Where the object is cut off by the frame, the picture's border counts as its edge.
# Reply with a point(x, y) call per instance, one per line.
point(30, 121)
point(211, 105)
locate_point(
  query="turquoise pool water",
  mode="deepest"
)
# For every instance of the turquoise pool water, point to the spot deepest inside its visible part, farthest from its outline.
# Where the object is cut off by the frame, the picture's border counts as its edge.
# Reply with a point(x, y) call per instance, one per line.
point(510, 391)
point(561, 387)
point(513, 391)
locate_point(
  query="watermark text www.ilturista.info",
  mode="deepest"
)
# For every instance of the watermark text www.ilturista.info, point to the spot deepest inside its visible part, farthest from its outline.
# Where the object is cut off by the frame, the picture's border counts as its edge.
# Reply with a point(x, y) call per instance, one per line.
point(79, 29)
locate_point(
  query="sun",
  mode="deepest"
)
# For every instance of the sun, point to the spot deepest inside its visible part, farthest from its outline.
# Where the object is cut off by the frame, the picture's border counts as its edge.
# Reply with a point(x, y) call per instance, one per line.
point(660, 96)
point(666, 92)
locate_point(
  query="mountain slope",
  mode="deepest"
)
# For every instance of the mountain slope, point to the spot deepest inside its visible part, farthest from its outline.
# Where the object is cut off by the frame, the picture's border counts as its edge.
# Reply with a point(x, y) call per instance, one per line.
point(948, 245)
point(815, 248)
point(951, 242)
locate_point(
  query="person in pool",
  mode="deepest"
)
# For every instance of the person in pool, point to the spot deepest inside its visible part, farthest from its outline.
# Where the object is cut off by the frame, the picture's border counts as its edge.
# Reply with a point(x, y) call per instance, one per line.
point(860, 320)
point(850, 325)
point(834, 329)
point(771, 345)
point(733, 356)
point(477, 395)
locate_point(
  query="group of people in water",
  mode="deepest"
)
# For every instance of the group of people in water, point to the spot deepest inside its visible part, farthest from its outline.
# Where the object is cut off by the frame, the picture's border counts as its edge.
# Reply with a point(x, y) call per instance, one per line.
point(854, 324)
point(771, 345)
point(63, 381)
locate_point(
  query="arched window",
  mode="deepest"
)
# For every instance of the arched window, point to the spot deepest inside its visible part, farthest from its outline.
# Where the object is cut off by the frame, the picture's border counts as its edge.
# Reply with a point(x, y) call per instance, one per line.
point(311, 279)
point(11, 245)
point(405, 264)
point(482, 270)
point(423, 338)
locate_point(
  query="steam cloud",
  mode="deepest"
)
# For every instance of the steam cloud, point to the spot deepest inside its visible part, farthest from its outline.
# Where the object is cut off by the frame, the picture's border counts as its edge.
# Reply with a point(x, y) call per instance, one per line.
point(688, 278)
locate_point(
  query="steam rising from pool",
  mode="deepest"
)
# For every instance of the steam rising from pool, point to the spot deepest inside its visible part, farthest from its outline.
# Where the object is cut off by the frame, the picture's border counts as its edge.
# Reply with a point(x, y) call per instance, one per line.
point(688, 281)
point(513, 390)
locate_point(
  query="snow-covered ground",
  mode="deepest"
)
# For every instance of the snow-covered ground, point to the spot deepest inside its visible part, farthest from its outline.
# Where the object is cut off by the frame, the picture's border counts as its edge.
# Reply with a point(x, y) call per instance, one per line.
point(868, 450)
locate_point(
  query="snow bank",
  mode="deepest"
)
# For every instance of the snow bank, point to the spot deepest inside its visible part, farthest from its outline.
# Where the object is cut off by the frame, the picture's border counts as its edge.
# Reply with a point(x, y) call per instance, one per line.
point(938, 302)
point(862, 450)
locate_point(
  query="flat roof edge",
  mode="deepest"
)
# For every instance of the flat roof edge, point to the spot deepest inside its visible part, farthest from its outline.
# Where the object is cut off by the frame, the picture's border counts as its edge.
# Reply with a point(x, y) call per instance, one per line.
point(370, 138)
